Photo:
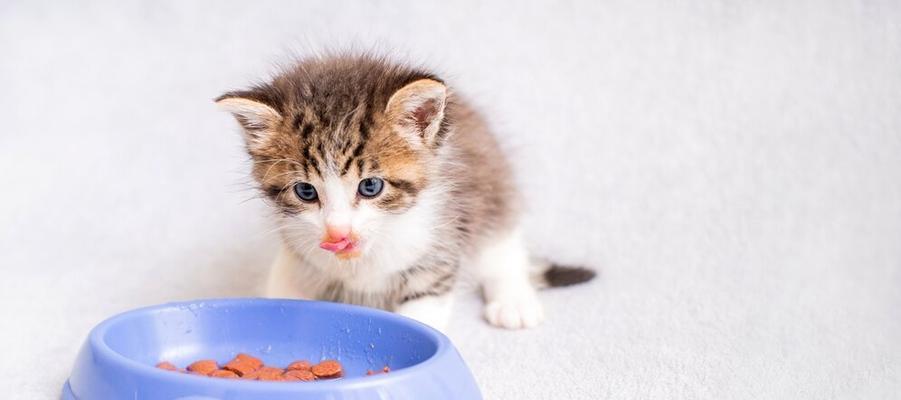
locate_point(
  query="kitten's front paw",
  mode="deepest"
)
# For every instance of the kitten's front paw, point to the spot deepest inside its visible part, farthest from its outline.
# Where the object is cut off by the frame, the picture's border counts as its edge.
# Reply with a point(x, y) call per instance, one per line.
point(518, 312)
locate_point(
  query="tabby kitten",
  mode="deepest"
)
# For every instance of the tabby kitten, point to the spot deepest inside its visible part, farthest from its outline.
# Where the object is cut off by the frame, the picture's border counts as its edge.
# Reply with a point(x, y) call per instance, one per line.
point(387, 188)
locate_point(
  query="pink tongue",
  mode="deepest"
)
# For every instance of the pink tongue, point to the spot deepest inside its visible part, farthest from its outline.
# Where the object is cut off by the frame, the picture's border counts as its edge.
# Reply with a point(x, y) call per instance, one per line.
point(335, 246)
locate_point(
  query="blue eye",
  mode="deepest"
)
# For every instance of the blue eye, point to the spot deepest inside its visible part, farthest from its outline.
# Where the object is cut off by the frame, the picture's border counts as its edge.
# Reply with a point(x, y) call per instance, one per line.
point(305, 191)
point(370, 187)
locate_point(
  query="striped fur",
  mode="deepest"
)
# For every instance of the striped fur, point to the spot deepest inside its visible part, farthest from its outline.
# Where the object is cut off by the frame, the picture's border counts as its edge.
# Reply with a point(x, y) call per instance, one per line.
point(345, 118)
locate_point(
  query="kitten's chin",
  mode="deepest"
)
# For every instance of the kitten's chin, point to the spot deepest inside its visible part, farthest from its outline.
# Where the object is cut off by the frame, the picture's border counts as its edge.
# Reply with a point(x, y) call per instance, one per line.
point(348, 254)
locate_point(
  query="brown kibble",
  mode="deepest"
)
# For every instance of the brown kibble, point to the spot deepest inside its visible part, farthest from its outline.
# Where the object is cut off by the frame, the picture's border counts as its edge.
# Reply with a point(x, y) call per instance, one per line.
point(251, 376)
point(168, 366)
point(247, 367)
point(203, 367)
point(327, 369)
point(243, 364)
point(299, 375)
point(270, 374)
point(224, 373)
point(385, 370)
point(300, 365)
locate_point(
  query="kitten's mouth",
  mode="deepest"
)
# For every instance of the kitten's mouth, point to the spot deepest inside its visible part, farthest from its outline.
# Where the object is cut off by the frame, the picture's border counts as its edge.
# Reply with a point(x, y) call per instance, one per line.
point(343, 249)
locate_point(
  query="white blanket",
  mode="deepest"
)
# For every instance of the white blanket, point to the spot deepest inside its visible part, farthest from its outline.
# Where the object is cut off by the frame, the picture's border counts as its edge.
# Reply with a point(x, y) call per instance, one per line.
point(732, 169)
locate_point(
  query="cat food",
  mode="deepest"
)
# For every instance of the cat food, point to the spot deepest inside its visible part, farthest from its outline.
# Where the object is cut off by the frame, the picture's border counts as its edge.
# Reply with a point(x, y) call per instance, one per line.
point(168, 366)
point(299, 375)
point(203, 367)
point(300, 365)
point(384, 370)
point(243, 364)
point(327, 369)
point(269, 374)
point(224, 373)
point(247, 367)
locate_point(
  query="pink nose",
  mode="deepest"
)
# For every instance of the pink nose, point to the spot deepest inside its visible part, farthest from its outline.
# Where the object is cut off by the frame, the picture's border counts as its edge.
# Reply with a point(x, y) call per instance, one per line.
point(336, 238)
point(336, 233)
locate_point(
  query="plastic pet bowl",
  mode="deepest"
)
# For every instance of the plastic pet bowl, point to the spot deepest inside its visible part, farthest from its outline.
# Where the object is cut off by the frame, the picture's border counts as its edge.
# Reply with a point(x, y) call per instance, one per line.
point(118, 359)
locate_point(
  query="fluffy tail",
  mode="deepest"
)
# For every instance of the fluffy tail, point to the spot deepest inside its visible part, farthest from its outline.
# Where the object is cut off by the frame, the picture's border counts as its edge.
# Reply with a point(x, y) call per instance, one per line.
point(546, 274)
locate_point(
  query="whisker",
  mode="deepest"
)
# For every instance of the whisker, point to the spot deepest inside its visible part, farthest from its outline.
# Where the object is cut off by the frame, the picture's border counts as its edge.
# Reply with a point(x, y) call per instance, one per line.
point(288, 160)
point(276, 162)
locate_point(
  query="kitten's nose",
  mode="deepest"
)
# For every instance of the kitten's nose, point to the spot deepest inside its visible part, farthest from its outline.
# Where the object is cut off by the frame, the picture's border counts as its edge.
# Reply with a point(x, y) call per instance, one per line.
point(337, 233)
point(337, 239)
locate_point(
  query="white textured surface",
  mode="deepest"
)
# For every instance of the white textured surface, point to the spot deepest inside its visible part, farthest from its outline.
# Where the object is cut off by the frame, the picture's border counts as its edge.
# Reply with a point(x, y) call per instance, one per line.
point(732, 168)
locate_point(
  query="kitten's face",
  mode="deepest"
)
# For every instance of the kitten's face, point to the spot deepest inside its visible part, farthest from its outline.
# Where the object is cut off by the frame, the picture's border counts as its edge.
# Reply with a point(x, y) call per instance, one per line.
point(337, 197)
point(342, 173)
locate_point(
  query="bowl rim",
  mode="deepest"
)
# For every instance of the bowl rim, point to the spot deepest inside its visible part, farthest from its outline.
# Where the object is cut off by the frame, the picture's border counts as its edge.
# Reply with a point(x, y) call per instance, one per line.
point(117, 360)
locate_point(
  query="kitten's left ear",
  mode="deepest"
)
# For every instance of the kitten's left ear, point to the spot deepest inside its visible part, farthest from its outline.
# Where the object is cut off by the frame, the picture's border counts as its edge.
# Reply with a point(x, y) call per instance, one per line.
point(417, 109)
point(257, 118)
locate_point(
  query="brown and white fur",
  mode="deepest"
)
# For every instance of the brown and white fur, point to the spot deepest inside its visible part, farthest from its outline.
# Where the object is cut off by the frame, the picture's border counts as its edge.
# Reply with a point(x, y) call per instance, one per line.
point(448, 207)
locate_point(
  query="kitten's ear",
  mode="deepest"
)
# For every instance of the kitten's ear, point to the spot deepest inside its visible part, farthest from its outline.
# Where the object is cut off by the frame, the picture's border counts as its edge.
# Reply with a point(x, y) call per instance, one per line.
point(256, 117)
point(418, 109)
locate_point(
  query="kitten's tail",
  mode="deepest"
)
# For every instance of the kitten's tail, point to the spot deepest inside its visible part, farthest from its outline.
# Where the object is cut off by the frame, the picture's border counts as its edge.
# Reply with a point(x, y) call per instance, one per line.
point(546, 274)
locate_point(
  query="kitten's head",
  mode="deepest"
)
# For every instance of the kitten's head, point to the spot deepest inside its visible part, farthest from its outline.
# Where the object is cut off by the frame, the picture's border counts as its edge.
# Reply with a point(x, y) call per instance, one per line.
point(342, 147)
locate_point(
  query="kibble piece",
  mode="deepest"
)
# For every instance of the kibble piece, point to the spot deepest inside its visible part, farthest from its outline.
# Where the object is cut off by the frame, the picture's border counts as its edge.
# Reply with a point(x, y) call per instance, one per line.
point(203, 367)
point(251, 376)
point(270, 374)
point(243, 364)
point(327, 369)
point(168, 366)
point(247, 367)
point(299, 375)
point(224, 373)
point(384, 370)
point(300, 365)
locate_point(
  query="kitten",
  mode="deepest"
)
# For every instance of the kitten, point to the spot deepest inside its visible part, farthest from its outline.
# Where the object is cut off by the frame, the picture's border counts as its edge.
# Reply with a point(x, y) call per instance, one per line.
point(387, 186)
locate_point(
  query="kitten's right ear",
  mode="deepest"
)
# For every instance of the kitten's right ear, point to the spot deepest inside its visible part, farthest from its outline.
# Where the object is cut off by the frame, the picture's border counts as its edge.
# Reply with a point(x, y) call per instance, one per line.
point(256, 117)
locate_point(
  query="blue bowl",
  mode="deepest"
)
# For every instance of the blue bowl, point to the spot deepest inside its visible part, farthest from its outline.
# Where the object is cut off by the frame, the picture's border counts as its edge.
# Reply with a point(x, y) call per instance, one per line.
point(117, 360)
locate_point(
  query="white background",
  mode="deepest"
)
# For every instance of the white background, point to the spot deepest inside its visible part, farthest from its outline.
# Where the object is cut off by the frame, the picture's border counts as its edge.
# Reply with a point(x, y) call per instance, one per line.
point(732, 169)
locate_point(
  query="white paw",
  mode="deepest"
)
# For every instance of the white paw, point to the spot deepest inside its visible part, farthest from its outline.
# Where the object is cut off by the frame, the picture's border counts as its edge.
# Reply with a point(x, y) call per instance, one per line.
point(433, 311)
point(520, 312)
